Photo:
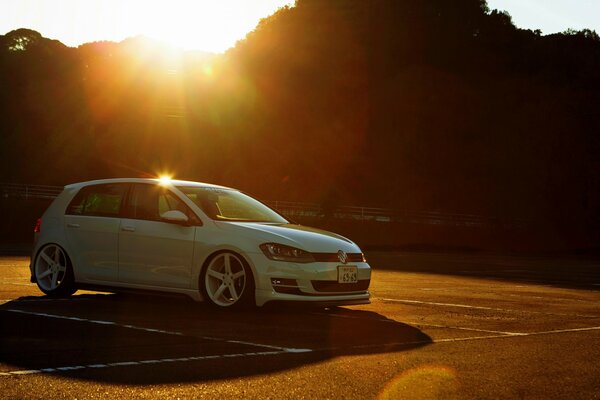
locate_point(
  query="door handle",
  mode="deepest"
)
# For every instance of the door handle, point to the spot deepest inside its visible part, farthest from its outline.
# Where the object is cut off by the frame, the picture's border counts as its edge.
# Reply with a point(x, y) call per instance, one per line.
point(72, 225)
point(128, 228)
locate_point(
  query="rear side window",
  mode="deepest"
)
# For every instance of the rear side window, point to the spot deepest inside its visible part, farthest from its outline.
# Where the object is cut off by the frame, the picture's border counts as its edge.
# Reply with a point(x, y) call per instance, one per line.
point(98, 200)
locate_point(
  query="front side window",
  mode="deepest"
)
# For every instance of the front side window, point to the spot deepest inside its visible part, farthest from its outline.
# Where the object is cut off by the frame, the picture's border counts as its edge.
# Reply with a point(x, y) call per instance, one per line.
point(231, 205)
point(98, 200)
point(150, 202)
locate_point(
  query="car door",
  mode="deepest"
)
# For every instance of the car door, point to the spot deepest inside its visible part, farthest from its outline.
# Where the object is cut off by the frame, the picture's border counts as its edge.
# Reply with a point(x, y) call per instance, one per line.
point(92, 222)
point(153, 251)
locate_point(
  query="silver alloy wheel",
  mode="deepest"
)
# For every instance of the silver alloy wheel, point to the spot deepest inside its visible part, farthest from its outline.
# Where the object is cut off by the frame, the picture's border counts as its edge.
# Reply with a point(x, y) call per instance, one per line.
point(225, 279)
point(51, 267)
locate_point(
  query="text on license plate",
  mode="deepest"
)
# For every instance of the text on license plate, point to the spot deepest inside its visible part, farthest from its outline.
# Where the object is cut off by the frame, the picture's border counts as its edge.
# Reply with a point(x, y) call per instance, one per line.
point(347, 274)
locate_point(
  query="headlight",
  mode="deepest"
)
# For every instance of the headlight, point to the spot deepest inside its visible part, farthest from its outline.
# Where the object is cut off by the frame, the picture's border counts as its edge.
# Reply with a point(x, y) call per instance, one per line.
point(281, 252)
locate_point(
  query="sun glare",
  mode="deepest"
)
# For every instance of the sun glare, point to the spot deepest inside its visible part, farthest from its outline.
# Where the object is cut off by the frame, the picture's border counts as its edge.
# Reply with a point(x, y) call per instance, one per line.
point(164, 179)
point(212, 26)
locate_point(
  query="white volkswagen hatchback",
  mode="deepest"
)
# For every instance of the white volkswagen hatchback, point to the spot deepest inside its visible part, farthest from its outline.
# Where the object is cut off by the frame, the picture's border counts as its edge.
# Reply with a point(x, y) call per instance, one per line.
point(209, 242)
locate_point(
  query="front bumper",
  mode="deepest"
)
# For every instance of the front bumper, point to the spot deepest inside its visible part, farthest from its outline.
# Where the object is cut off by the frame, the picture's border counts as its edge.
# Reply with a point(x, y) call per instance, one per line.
point(314, 283)
point(263, 297)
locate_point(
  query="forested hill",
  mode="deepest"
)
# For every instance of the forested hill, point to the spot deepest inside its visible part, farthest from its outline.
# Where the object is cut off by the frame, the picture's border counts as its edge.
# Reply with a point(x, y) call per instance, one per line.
point(409, 104)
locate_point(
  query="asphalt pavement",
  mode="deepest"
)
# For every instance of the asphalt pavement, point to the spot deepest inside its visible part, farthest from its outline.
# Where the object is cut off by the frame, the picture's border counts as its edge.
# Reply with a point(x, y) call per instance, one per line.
point(440, 326)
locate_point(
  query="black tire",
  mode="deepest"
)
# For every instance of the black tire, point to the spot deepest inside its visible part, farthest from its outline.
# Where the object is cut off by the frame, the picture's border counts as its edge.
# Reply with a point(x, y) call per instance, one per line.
point(53, 271)
point(227, 282)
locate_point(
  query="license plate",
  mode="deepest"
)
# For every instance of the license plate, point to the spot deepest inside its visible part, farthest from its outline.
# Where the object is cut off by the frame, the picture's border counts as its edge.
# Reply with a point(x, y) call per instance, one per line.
point(347, 274)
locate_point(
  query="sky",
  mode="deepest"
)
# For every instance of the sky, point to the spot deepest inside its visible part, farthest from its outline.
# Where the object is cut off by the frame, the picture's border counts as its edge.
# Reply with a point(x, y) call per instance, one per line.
point(208, 25)
point(215, 25)
point(551, 16)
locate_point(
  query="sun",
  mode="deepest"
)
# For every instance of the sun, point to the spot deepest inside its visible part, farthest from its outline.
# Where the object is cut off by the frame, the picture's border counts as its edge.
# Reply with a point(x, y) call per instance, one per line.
point(165, 179)
point(200, 25)
point(211, 26)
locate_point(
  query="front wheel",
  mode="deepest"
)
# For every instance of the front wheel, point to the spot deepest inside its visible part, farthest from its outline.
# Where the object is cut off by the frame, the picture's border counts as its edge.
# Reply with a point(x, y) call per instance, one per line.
point(227, 281)
point(53, 272)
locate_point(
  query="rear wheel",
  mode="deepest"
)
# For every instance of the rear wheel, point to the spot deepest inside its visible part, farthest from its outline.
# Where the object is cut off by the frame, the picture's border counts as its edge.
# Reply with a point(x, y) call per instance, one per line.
point(227, 281)
point(53, 271)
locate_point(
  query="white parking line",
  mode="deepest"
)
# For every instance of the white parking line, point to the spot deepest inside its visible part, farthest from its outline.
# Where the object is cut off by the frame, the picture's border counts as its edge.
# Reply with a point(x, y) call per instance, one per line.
point(423, 324)
point(591, 328)
point(93, 321)
point(279, 352)
point(43, 299)
point(137, 363)
point(267, 346)
point(503, 333)
point(459, 339)
point(153, 330)
point(444, 304)
point(530, 277)
point(431, 303)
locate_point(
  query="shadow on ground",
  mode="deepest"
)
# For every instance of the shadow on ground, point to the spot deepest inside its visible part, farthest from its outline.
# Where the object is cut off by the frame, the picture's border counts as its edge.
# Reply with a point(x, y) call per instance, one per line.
point(191, 342)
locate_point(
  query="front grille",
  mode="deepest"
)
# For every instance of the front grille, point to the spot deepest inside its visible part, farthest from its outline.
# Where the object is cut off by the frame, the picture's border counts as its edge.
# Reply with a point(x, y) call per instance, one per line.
point(333, 286)
point(333, 257)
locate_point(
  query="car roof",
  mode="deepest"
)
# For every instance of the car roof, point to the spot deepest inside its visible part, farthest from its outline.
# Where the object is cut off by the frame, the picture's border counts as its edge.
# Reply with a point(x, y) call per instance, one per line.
point(173, 182)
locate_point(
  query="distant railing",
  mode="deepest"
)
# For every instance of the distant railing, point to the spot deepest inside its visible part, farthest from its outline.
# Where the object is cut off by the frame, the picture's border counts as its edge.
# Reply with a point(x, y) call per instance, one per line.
point(27, 192)
point(312, 210)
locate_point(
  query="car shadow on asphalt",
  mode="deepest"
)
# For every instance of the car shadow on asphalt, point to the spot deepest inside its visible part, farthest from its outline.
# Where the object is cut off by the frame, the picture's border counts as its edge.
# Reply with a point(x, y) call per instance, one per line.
point(152, 340)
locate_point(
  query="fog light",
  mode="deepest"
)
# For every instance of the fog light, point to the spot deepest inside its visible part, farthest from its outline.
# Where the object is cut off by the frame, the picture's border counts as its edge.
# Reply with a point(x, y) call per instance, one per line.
point(283, 282)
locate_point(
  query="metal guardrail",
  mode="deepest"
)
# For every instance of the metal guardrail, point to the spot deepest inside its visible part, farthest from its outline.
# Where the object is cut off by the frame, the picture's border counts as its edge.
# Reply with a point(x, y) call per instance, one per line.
point(312, 210)
point(29, 191)
point(343, 212)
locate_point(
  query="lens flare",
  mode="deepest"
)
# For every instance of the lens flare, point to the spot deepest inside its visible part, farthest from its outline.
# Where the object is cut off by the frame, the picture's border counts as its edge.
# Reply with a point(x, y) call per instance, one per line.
point(164, 179)
point(423, 382)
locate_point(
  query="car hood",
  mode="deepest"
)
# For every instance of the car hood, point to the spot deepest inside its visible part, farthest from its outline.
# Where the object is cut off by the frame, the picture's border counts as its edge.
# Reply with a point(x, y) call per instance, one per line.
point(304, 237)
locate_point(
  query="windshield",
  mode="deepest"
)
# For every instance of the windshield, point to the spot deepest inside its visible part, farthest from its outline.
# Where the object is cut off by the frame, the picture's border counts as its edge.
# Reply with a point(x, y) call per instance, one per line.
point(230, 205)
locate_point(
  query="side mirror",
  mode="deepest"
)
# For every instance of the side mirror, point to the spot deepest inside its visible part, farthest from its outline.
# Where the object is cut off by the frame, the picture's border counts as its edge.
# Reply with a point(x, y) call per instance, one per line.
point(175, 217)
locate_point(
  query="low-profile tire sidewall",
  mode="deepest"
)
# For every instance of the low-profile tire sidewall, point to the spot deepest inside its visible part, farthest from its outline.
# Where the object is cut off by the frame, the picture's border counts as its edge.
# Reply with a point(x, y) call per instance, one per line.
point(248, 299)
point(67, 286)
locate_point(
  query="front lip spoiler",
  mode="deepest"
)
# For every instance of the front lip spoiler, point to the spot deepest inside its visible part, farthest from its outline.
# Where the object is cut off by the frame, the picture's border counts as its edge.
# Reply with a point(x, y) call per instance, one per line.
point(320, 303)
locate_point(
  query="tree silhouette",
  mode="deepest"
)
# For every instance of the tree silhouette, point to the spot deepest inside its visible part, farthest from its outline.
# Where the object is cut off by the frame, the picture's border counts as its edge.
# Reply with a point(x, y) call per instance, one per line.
point(406, 104)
